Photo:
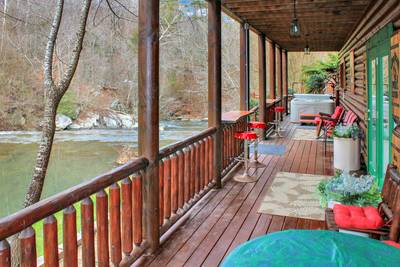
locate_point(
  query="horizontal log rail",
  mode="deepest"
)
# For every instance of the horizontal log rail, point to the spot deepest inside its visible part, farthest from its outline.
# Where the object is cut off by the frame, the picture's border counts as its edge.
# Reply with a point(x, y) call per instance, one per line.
point(114, 236)
point(185, 175)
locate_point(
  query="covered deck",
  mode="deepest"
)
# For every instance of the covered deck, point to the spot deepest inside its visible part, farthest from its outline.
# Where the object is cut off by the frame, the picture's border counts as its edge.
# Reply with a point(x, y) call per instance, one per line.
point(224, 219)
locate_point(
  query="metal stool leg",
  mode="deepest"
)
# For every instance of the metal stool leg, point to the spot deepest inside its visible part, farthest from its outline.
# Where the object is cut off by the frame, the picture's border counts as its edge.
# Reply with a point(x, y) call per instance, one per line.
point(254, 163)
point(245, 177)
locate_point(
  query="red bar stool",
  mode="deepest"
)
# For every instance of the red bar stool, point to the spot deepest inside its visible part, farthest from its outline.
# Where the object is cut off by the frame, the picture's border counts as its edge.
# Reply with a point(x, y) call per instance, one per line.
point(277, 122)
point(247, 137)
point(257, 126)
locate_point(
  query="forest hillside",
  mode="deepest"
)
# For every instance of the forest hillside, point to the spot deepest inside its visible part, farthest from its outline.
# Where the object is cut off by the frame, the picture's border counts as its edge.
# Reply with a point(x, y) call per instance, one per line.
point(103, 93)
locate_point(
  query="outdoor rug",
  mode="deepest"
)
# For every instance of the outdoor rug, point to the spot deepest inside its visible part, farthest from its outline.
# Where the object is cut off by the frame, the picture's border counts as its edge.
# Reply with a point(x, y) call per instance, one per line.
point(307, 135)
point(269, 149)
point(294, 195)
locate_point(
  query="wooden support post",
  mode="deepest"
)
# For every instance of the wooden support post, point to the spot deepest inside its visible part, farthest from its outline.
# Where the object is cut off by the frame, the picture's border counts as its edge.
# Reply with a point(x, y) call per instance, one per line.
point(285, 80)
point(244, 67)
point(272, 70)
point(214, 84)
point(262, 81)
point(148, 83)
point(279, 73)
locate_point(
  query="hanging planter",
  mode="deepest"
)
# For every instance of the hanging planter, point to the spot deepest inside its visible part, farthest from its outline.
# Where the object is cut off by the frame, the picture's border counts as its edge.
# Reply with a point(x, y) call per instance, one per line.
point(346, 148)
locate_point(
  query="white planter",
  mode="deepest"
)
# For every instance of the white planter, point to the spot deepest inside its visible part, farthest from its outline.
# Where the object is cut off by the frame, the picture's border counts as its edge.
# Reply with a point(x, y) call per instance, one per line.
point(346, 154)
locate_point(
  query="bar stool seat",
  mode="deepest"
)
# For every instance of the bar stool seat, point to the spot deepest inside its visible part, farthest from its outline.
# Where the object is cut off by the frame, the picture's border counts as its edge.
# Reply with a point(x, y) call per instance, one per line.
point(257, 125)
point(247, 137)
point(280, 109)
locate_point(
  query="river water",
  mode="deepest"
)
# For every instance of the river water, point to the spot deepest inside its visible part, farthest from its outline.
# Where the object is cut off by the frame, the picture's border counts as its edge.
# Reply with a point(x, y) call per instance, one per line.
point(76, 156)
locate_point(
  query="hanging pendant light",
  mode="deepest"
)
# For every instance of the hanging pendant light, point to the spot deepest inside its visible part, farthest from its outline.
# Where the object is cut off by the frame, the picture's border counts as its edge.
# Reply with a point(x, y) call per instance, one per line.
point(294, 25)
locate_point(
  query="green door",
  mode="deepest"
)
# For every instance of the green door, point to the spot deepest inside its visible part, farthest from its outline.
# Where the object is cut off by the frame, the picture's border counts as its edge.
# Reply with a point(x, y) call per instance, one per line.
point(380, 120)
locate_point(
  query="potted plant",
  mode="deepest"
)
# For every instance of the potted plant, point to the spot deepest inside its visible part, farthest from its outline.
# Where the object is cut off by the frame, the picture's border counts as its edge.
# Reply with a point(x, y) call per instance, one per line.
point(346, 147)
point(349, 189)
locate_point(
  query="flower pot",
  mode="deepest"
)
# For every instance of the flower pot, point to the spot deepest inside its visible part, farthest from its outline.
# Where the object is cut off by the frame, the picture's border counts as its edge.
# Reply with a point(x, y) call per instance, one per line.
point(346, 154)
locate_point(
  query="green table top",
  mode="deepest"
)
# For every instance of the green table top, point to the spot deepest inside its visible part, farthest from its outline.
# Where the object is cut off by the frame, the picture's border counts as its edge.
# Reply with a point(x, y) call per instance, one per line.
point(313, 248)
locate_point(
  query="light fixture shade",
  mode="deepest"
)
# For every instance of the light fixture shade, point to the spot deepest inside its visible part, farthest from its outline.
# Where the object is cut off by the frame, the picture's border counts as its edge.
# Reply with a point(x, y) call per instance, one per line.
point(294, 28)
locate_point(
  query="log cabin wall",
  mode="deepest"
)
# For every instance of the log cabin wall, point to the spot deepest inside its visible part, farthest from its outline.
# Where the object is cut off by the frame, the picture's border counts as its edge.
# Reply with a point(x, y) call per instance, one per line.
point(353, 59)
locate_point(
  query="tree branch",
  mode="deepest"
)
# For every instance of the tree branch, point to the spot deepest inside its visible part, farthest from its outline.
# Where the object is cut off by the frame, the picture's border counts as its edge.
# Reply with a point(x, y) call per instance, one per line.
point(71, 68)
point(48, 57)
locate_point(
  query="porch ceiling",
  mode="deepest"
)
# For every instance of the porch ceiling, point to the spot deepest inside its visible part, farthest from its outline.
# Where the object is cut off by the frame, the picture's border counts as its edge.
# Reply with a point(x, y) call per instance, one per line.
point(325, 24)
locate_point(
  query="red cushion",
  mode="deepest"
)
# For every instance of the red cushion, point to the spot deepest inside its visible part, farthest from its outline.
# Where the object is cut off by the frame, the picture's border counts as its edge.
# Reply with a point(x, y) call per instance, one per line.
point(392, 243)
point(246, 135)
point(357, 217)
point(338, 111)
point(257, 125)
point(279, 109)
point(317, 120)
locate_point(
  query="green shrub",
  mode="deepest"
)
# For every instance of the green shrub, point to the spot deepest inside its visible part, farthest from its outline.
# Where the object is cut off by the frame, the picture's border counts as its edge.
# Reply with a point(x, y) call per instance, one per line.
point(68, 105)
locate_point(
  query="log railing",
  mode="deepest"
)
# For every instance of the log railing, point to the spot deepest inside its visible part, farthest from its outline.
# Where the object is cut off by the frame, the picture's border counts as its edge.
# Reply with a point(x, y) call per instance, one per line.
point(111, 225)
point(185, 175)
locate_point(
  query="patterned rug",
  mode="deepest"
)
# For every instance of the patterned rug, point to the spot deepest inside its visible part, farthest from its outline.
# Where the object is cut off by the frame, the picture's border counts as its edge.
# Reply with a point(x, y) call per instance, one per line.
point(307, 135)
point(294, 195)
point(269, 149)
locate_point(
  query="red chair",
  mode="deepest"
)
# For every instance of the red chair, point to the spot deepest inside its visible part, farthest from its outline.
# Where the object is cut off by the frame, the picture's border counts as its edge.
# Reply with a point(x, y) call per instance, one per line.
point(247, 137)
point(258, 127)
point(326, 121)
point(277, 122)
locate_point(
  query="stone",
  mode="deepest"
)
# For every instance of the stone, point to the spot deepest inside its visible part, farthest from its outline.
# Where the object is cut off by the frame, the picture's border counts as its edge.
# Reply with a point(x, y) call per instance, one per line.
point(62, 122)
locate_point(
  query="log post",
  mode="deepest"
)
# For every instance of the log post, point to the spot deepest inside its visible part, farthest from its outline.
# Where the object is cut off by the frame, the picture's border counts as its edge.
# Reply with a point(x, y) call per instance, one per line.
point(148, 119)
point(285, 80)
point(244, 67)
point(262, 81)
point(272, 70)
point(214, 84)
point(279, 73)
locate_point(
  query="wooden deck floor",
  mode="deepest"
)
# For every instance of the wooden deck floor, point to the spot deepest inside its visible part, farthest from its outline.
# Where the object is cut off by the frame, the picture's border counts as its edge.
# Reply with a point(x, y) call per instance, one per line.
point(228, 217)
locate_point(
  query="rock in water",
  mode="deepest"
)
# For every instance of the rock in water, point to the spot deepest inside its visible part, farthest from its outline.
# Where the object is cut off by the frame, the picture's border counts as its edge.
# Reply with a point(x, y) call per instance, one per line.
point(62, 122)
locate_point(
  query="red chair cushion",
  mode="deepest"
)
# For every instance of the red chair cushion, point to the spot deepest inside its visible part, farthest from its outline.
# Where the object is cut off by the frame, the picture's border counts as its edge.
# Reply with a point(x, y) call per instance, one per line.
point(246, 135)
point(279, 109)
point(257, 125)
point(357, 217)
point(392, 243)
point(317, 120)
point(337, 113)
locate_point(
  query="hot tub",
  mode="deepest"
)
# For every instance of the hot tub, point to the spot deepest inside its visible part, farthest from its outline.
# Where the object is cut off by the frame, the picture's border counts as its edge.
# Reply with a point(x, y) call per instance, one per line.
point(310, 104)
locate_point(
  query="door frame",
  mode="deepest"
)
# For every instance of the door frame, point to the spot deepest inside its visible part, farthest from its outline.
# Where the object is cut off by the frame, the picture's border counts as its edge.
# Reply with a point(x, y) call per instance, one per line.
point(377, 48)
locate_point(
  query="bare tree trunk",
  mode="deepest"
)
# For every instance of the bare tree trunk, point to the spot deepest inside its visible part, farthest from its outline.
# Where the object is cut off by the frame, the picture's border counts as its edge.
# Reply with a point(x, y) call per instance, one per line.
point(53, 96)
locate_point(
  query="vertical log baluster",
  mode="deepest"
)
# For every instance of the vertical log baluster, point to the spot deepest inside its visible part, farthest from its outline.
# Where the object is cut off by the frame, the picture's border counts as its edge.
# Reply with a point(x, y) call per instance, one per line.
point(137, 206)
point(181, 179)
point(70, 243)
point(5, 253)
point(192, 170)
point(115, 224)
point(187, 175)
point(27, 241)
point(102, 229)
point(87, 221)
point(211, 156)
point(174, 183)
point(167, 188)
point(161, 191)
point(50, 241)
point(206, 159)
point(126, 216)
point(197, 184)
point(231, 156)
point(202, 160)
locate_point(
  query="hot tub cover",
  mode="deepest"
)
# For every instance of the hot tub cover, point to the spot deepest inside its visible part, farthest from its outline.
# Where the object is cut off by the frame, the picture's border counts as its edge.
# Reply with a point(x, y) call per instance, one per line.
point(313, 248)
